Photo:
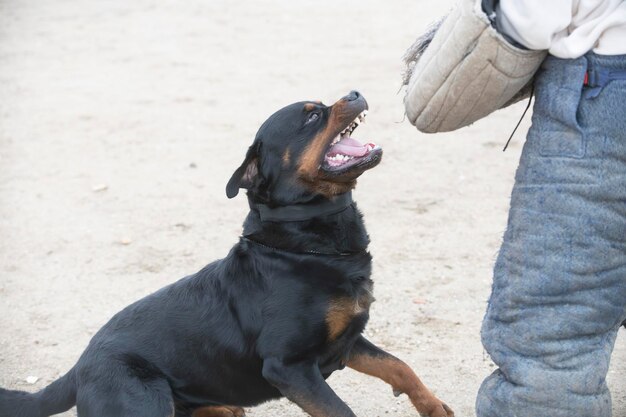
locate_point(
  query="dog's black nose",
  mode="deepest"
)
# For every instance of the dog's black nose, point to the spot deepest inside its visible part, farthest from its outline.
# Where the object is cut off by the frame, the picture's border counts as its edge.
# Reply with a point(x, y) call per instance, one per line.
point(352, 95)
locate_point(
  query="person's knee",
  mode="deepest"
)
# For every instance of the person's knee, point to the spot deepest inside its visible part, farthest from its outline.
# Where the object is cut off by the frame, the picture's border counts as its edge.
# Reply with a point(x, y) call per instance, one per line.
point(530, 353)
point(540, 392)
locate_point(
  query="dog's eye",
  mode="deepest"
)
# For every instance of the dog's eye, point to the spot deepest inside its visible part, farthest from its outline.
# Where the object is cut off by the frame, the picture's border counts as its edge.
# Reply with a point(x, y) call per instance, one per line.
point(312, 117)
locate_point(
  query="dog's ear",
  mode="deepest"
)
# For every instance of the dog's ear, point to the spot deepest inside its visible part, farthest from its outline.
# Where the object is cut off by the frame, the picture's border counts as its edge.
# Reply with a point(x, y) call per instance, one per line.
point(246, 174)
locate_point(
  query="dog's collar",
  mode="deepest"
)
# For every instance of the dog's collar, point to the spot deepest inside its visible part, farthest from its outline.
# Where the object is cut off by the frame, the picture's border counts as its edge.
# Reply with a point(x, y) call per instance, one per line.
point(303, 252)
point(301, 212)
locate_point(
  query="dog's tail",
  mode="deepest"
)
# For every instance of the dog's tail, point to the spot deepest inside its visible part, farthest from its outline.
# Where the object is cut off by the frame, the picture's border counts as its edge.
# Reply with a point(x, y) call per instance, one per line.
point(54, 399)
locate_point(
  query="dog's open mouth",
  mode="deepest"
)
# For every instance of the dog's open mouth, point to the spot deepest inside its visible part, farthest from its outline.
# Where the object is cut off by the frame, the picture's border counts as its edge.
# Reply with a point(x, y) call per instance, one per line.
point(346, 152)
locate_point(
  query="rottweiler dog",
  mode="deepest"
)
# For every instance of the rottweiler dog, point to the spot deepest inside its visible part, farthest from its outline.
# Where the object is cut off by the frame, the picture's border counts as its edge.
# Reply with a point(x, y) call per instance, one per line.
point(274, 318)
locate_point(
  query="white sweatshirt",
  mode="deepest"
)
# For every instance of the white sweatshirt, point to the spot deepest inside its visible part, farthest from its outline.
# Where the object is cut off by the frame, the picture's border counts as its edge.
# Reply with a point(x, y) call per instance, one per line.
point(566, 28)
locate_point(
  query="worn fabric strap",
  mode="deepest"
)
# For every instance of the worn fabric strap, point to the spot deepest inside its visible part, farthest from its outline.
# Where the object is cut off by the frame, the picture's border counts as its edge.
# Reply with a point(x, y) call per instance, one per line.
point(597, 78)
point(301, 212)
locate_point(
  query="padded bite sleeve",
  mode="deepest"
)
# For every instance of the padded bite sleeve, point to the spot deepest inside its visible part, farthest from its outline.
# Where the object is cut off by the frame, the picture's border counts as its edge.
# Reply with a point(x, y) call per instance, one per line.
point(463, 70)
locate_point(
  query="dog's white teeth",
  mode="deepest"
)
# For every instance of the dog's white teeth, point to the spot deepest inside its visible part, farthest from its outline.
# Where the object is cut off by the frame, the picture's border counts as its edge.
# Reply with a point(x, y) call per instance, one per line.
point(339, 158)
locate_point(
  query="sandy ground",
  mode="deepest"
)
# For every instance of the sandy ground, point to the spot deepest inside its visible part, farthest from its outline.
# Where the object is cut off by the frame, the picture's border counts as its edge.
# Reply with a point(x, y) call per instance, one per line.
point(120, 123)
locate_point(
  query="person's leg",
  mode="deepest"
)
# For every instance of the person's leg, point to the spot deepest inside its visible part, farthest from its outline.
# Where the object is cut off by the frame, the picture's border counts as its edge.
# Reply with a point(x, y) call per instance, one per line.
point(559, 290)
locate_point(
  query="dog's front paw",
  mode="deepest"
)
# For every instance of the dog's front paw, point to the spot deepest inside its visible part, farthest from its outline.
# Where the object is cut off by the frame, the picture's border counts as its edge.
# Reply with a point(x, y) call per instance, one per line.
point(238, 412)
point(436, 408)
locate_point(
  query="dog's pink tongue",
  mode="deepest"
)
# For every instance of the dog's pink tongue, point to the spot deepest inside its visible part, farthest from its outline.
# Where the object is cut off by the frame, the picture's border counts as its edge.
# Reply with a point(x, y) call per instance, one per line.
point(348, 146)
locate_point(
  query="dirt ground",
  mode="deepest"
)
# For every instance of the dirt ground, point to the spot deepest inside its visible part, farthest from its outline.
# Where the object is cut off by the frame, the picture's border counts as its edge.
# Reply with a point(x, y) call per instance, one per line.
point(121, 122)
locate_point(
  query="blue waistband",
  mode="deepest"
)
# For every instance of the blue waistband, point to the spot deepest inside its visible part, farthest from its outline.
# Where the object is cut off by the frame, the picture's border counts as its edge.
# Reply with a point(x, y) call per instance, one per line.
point(593, 70)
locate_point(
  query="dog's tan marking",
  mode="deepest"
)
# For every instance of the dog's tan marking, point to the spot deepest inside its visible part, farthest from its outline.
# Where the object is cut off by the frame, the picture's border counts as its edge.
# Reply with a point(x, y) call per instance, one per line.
point(312, 155)
point(342, 311)
point(339, 315)
point(287, 157)
point(310, 106)
point(329, 188)
point(403, 380)
point(219, 411)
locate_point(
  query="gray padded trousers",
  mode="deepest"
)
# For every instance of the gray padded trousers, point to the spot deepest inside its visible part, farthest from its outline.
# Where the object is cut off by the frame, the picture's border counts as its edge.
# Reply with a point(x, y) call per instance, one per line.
point(559, 287)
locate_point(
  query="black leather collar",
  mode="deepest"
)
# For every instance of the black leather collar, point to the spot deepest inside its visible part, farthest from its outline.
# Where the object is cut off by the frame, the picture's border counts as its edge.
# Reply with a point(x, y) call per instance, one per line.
point(303, 252)
point(301, 212)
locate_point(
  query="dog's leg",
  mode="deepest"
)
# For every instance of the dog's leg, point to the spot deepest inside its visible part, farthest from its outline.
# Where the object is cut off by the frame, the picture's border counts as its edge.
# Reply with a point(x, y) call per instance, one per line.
point(371, 360)
point(218, 411)
point(303, 384)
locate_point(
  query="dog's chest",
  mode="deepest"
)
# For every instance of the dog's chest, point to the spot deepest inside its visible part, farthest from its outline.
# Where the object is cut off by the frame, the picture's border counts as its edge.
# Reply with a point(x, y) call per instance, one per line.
point(339, 291)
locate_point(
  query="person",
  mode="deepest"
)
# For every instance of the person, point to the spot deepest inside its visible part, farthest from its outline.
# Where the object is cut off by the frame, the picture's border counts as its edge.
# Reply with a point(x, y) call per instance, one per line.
point(559, 286)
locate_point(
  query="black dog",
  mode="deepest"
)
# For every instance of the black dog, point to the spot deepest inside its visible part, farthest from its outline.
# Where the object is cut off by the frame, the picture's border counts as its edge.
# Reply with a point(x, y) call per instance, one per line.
point(274, 318)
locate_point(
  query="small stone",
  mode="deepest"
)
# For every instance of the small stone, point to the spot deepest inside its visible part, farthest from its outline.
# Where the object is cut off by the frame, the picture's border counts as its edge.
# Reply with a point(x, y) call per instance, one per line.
point(182, 226)
point(100, 187)
point(32, 379)
point(126, 241)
